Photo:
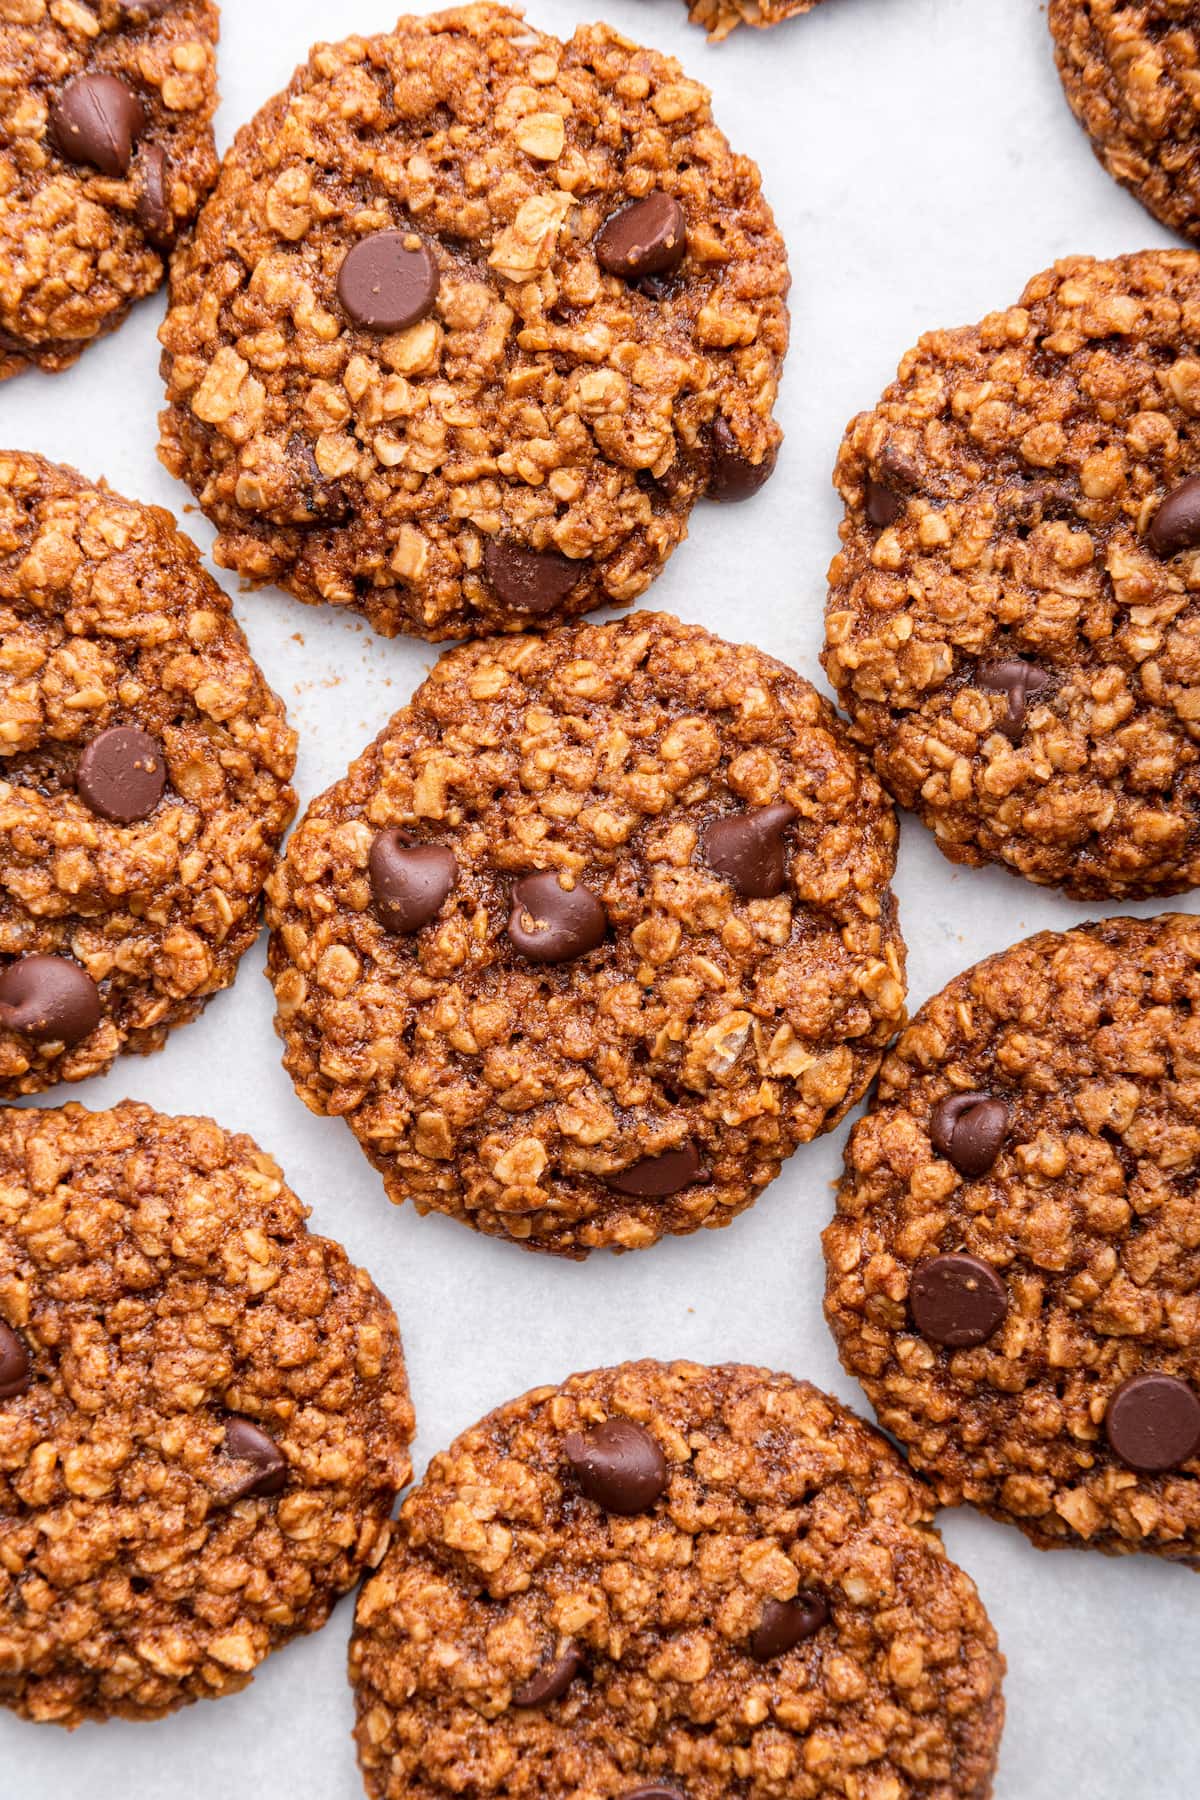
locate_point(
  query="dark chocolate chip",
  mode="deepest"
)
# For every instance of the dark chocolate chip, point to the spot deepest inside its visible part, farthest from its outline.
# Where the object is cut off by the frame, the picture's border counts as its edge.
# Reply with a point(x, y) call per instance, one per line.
point(409, 881)
point(267, 1469)
point(16, 1370)
point(550, 923)
point(48, 999)
point(1176, 524)
point(1153, 1423)
point(655, 1791)
point(1019, 681)
point(154, 213)
point(883, 507)
point(619, 1465)
point(96, 119)
point(122, 774)
point(647, 238)
point(530, 581)
point(957, 1300)
point(388, 281)
point(655, 1177)
point(552, 1680)
point(785, 1623)
point(733, 476)
point(969, 1129)
point(748, 848)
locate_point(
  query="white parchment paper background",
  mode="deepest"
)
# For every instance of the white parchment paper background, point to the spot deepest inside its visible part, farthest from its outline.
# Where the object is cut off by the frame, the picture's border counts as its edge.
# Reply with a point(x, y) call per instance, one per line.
point(922, 163)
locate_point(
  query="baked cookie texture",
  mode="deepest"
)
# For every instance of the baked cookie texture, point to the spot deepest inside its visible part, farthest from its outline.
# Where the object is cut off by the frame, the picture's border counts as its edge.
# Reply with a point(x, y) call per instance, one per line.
point(1129, 70)
point(1068, 1065)
point(747, 1595)
point(106, 151)
point(204, 1417)
point(144, 778)
point(503, 415)
point(720, 17)
point(1012, 619)
point(595, 933)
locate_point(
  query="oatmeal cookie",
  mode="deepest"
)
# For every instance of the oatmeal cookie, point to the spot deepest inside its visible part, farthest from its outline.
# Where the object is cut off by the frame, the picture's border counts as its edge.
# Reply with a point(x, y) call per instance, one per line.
point(720, 17)
point(106, 151)
point(593, 935)
point(660, 1581)
point(1013, 621)
point(472, 320)
point(144, 768)
point(204, 1417)
point(1129, 69)
point(1014, 1271)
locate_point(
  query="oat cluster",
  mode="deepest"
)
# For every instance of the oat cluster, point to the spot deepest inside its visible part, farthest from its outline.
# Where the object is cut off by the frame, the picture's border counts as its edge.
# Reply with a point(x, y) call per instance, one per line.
point(720, 17)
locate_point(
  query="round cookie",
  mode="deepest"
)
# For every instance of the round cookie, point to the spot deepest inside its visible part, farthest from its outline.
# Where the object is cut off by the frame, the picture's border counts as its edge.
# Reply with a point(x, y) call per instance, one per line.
point(1012, 617)
point(593, 935)
point(106, 151)
point(471, 321)
point(144, 768)
point(720, 17)
point(1013, 1271)
point(1128, 69)
point(204, 1416)
point(677, 1583)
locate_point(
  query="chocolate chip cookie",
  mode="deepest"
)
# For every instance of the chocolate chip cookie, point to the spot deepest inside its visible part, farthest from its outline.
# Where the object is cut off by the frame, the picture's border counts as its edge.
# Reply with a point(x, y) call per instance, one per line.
point(668, 1582)
point(1012, 620)
point(1014, 1270)
point(106, 151)
point(1128, 68)
point(720, 17)
point(593, 935)
point(144, 769)
point(204, 1418)
point(471, 321)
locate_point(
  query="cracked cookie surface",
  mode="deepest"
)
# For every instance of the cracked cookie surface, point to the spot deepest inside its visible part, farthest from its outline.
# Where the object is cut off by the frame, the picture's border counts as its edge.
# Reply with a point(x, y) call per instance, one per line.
point(772, 1613)
point(1016, 1282)
point(144, 778)
point(1011, 626)
point(491, 422)
point(106, 150)
point(593, 935)
point(204, 1416)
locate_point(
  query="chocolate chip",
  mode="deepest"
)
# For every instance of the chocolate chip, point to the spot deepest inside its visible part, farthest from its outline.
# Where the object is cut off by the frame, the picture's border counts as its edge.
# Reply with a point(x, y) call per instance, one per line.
point(1176, 524)
point(657, 1176)
point(388, 281)
point(957, 1300)
point(647, 238)
point(969, 1129)
point(16, 1370)
point(48, 999)
point(1153, 1423)
point(619, 1465)
point(654, 1792)
point(96, 119)
point(532, 581)
point(748, 848)
point(785, 1623)
point(267, 1469)
point(1019, 680)
point(552, 1680)
point(409, 881)
point(122, 774)
point(550, 923)
point(733, 476)
point(154, 203)
point(883, 507)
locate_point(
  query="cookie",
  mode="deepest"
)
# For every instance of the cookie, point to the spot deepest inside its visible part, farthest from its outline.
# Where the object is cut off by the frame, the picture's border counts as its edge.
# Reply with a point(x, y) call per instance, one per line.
point(144, 769)
point(1012, 618)
point(675, 1583)
point(471, 321)
point(1128, 69)
point(720, 17)
point(106, 151)
point(593, 935)
point(204, 1417)
point(1014, 1271)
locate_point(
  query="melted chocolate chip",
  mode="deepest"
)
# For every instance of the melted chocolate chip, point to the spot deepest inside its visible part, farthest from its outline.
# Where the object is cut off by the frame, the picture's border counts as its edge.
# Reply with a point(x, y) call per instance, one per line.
point(785, 1623)
point(748, 848)
point(883, 506)
point(16, 1370)
point(655, 1791)
point(1153, 1423)
point(1019, 681)
point(957, 1300)
point(122, 774)
point(648, 237)
point(409, 881)
point(552, 1680)
point(96, 120)
point(733, 476)
point(388, 281)
point(154, 202)
point(656, 1177)
point(969, 1129)
point(619, 1465)
point(266, 1471)
point(1176, 524)
point(49, 999)
point(550, 923)
point(530, 581)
